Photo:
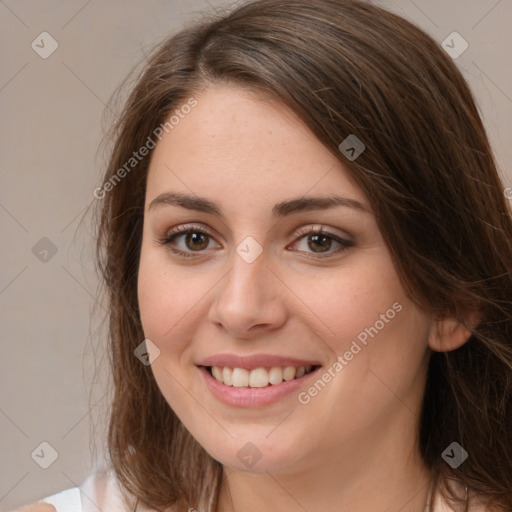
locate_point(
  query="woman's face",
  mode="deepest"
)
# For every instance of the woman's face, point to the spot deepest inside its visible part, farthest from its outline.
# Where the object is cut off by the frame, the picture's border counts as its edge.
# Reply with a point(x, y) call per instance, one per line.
point(262, 298)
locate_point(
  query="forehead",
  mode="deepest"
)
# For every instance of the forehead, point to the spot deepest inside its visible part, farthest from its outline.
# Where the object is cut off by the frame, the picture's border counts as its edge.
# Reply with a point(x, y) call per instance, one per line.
point(240, 147)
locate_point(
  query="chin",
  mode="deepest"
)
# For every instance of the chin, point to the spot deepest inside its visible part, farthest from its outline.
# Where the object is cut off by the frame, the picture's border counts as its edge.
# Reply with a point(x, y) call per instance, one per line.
point(257, 457)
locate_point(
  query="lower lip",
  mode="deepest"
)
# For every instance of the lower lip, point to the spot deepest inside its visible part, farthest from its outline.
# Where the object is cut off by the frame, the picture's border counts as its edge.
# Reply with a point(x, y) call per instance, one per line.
point(252, 397)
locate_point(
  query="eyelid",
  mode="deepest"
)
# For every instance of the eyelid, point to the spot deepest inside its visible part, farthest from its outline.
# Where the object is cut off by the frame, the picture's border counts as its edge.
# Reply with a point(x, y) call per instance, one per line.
point(323, 229)
point(189, 227)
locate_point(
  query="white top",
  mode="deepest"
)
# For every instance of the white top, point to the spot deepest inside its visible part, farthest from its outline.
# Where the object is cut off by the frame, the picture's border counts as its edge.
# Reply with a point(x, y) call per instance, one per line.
point(100, 492)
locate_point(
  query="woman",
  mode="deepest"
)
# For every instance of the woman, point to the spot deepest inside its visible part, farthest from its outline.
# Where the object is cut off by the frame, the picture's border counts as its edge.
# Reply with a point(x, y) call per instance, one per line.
point(308, 253)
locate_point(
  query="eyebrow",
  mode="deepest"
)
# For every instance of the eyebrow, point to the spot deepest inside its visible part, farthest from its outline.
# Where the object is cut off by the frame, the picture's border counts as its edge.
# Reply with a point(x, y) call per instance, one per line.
point(281, 209)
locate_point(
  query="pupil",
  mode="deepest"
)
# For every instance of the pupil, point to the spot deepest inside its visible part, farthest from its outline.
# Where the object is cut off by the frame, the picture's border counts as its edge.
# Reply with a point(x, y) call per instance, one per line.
point(316, 238)
point(194, 237)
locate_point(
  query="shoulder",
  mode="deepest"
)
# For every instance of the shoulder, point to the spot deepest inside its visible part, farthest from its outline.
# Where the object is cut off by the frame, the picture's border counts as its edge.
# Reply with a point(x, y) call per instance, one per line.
point(99, 491)
point(68, 500)
point(38, 507)
point(102, 491)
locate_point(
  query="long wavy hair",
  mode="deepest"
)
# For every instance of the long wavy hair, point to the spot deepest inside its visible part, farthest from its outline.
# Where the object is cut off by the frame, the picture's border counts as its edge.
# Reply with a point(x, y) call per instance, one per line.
point(344, 67)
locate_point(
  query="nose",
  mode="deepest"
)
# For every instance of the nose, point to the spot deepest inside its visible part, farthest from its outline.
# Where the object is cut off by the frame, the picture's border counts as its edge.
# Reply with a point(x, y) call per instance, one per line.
point(249, 299)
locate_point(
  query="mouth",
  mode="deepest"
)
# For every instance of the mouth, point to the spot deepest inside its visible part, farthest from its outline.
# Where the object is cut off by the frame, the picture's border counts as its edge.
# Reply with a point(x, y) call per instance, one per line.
point(258, 377)
point(256, 387)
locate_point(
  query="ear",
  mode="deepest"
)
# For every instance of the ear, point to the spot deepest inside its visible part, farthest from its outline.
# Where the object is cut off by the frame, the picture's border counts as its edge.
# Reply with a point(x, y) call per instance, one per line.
point(447, 334)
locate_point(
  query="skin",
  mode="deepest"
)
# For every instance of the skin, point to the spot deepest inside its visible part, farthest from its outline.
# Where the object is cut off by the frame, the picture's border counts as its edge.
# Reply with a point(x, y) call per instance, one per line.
point(354, 445)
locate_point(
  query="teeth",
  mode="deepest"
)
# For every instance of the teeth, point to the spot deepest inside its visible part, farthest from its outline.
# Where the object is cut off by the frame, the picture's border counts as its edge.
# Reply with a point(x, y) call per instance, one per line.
point(275, 375)
point(240, 377)
point(289, 373)
point(217, 373)
point(227, 376)
point(259, 377)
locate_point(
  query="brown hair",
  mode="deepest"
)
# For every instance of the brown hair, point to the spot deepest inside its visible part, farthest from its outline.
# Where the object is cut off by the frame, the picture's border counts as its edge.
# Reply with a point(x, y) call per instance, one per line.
point(344, 67)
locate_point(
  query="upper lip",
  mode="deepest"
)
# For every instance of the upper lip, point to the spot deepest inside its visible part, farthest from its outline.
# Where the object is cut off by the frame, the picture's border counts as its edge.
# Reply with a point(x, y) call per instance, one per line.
point(255, 361)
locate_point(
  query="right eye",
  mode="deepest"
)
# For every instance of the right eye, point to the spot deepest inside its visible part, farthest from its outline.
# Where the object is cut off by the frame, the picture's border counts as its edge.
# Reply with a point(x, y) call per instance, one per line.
point(194, 239)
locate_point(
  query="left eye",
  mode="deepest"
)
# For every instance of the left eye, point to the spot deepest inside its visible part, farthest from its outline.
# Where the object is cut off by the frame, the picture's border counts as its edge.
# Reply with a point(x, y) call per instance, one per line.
point(196, 240)
point(322, 241)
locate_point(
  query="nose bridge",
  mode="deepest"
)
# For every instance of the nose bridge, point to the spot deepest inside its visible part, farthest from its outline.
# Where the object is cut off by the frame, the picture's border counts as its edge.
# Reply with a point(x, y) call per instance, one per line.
point(246, 297)
point(248, 271)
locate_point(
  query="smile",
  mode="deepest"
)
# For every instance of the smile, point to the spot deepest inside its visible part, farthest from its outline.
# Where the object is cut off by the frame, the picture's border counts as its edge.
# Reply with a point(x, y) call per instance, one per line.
point(258, 387)
point(258, 377)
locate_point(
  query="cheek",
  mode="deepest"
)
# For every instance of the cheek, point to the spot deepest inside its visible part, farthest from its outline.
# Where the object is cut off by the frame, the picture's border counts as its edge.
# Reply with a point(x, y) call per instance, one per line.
point(362, 313)
point(381, 336)
point(163, 297)
point(352, 298)
point(171, 299)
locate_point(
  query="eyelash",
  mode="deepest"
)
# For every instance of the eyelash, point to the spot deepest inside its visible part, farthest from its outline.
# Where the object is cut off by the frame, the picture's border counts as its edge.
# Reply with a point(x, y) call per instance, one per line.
point(187, 229)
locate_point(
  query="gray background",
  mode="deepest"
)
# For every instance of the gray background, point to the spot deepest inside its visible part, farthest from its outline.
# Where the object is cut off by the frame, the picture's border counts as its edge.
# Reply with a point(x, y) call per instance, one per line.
point(53, 119)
